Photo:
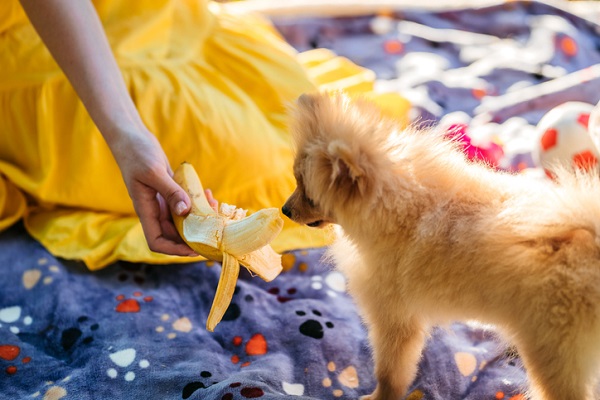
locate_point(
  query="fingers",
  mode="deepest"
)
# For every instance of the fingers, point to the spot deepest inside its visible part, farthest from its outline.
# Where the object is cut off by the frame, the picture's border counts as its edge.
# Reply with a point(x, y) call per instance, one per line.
point(177, 199)
point(167, 226)
point(211, 200)
point(165, 246)
point(160, 240)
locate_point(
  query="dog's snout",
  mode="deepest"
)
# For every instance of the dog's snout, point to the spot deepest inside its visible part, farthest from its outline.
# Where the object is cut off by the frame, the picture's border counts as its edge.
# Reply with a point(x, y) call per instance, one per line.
point(286, 211)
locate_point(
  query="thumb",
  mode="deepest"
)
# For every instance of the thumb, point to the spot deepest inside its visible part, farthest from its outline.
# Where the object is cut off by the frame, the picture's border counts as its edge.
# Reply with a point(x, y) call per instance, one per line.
point(177, 199)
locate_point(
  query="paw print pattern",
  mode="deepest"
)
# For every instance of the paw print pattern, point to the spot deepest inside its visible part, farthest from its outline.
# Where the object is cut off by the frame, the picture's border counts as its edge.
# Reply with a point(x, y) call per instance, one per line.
point(71, 336)
point(234, 311)
point(33, 276)
point(11, 317)
point(12, 353)
point(245, 392)
point(294, 389)
point(131, 305)
point(192, 387)
point(53, 391)
point(134, 272)
point(282, 296)
point(348, 377)
point(500, 395)
point(124, 359)
point(182, 324)
point(313, 328)
point(333, 283)
point(415, 395)
point(289, 261)
point(256, 346)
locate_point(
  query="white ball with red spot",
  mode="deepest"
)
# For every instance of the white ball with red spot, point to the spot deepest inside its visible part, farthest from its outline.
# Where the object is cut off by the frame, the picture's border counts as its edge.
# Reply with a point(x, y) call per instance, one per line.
point(594, 126)
point(563, 138)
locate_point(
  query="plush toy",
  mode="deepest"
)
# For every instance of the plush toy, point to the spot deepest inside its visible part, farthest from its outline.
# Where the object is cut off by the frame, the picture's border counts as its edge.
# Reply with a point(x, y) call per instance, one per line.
point(457, 126)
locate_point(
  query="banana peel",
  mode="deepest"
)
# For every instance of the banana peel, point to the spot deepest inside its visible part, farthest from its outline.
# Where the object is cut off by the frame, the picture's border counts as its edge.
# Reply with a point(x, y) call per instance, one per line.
point(227, 237)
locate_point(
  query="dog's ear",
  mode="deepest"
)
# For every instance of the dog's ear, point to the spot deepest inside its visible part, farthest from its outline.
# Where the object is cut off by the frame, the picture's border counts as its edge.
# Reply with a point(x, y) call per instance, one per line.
point(346, 164)
point(306, 101)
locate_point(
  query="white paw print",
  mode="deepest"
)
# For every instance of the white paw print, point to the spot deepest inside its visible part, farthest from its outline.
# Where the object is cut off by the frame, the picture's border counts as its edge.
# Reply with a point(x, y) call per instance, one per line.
point(11, 316)
point(334, 283)
point(124, 359)
point(293, 389)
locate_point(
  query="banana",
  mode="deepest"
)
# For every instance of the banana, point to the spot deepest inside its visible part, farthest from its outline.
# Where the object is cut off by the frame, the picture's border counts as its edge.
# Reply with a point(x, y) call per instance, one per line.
point(251, 233)
point(230, 271)
point(228, 237)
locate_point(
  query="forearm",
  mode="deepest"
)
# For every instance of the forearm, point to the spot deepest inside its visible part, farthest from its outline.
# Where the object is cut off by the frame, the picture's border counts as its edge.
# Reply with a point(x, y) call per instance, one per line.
point(73, 33)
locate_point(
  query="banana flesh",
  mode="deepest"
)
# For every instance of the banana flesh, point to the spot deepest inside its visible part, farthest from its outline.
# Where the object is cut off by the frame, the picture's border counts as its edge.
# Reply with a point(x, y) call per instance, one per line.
point(228, 237)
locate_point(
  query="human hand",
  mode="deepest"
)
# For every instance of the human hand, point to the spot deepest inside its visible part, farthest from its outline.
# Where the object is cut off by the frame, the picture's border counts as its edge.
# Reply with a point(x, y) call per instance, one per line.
point(148, 178)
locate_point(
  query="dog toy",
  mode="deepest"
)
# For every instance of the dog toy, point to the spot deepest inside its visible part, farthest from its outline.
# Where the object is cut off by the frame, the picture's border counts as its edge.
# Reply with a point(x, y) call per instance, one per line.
point(228, 237)
point(563, 138)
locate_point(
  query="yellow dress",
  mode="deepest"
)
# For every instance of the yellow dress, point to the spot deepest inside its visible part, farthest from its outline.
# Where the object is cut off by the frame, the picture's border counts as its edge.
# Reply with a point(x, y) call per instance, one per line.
point(210, 85)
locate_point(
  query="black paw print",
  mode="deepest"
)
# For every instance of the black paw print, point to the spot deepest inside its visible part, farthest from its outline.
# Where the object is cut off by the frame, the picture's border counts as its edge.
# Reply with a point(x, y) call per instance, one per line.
point(192, 387)
point(313, 328)
point(135, 272)
point(283, 296)
point(233, 311)
point(70, 336)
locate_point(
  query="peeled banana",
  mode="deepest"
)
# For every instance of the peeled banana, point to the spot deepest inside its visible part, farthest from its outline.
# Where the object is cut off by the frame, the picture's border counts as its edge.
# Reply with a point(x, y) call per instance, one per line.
point(229, 237)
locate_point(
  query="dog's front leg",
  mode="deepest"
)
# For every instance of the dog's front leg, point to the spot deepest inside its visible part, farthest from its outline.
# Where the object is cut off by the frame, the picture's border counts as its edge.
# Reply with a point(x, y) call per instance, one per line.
point(397, 350)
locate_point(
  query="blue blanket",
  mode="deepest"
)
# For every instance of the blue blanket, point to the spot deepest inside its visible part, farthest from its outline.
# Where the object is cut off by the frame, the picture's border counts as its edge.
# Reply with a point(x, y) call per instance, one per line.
point(136, 331)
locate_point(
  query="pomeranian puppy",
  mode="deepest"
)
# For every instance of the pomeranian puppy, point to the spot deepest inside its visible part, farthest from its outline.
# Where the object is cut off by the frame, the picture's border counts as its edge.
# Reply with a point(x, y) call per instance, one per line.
point(430, 237)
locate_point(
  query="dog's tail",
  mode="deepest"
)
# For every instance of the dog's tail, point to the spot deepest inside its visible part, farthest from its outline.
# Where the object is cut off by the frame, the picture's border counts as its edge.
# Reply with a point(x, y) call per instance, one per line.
point(567, 208)
point(579, 197)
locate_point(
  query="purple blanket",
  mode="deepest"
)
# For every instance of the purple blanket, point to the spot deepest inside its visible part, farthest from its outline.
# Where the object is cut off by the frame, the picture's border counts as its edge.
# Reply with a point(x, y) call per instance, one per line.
point(136, 331)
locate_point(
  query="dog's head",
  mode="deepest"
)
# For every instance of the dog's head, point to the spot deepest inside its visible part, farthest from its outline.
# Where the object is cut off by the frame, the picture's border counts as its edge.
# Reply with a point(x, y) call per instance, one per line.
point(339, 157)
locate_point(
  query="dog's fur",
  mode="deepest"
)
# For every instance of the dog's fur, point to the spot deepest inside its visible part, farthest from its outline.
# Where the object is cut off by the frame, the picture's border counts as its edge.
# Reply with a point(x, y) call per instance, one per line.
point(430, 237)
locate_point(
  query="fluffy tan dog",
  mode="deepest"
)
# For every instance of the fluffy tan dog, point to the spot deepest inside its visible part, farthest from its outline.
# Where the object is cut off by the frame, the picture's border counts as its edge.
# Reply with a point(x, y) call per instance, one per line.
point(430, 237)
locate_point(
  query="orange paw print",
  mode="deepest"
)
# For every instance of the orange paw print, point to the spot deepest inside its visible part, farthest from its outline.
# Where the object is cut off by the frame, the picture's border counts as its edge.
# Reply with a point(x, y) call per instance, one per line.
point(256, 346)
point(10, 352)
point(130, 305)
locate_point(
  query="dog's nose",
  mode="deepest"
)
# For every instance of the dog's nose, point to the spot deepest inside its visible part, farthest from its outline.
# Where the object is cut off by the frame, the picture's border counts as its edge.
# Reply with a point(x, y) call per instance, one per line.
point(286, 211)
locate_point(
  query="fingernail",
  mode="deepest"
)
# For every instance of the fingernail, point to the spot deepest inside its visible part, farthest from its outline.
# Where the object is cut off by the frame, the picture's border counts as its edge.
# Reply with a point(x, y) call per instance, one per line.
point(180, 208)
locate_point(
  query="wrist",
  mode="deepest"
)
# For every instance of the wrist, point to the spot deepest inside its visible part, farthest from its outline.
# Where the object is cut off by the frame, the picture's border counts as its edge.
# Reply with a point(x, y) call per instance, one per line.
point(120, 125)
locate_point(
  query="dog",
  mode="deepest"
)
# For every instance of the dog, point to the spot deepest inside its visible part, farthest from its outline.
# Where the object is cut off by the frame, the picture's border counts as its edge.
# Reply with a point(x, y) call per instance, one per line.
point(429, 237)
